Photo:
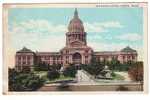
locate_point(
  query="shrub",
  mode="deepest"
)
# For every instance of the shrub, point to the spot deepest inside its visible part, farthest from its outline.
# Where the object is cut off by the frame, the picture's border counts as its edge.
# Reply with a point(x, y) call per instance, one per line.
point(41, 67)
point(57, 66)
point(19, 81)
point(53, 74)
point(136, 71)
point(94, 68)
point(113, 74)
point(114, 64)
point(70, 71)
point(45, 67)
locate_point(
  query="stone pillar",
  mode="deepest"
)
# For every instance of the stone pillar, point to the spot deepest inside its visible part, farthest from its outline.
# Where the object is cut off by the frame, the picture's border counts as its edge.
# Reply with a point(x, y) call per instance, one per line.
point(120, 58)
point(126, 58)
point(31, 60)
point(70, 59)
point(83, 58)
point(135, 58)
point(21, 62)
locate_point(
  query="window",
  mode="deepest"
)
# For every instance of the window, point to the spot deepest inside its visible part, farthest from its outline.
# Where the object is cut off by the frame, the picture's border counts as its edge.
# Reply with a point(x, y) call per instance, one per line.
point(19, 63)
point(57, 58)
point(24, 57)
point(54, 62)
point(67, 51)
point(123, 57)
point(66, 61)
point(24, 62)
point(133, 57)
point(28, 57)
point(53, 58)
point(128, 57)
point(86, 62)
point(86, 56)
point(19, 58)
point(28, 62)
point(47, 57)
point(86, 51)
point(67, 57)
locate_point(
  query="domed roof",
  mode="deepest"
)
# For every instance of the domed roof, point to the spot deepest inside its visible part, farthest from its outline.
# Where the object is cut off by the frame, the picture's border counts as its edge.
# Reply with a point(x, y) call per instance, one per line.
point(76, 24)
point(128, 49)
point(25, 50)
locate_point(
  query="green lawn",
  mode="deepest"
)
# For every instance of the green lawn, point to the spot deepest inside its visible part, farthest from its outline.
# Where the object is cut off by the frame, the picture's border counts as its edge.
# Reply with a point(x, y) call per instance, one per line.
point(43, 74)
point(61, 78)
point(118, 77)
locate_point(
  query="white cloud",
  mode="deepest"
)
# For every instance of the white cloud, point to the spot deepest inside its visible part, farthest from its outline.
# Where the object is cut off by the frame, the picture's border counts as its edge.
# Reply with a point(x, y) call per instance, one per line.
point(93, 27)
point(101, 26)
point(130, 37)
point(53, 43)
point(110, 24)
point(38, 35)
point(38, 26)
point(42, 26)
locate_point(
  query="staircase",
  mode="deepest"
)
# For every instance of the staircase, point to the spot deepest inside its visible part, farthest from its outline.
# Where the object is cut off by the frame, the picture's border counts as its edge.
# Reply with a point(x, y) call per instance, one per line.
point(84, 77)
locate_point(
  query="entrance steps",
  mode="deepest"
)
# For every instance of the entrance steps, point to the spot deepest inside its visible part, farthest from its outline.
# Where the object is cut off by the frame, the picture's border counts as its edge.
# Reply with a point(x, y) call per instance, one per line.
point(84, 77)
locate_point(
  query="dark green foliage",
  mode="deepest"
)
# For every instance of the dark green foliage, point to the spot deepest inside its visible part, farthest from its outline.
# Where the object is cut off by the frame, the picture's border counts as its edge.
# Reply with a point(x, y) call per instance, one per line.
point(53, 74)
point(113, 64)
point(45, 67)
point(53, 71)
point(57, 66)
point(20, 81)
point(136, 72)
point(94, 68)
point(113, 74)
point(70, 71)
point(41, 67)
point(116, 65)
point(54, 67)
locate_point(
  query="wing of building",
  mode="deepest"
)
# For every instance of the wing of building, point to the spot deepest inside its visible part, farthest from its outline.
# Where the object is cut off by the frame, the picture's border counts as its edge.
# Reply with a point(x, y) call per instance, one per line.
point(76, 51)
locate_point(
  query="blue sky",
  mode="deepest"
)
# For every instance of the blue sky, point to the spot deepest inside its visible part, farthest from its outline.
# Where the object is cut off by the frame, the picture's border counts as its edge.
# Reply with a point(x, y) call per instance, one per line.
point(108, 29)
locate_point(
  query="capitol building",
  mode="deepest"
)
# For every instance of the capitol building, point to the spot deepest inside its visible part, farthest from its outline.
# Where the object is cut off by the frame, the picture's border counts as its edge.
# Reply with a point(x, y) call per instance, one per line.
point(76, 50)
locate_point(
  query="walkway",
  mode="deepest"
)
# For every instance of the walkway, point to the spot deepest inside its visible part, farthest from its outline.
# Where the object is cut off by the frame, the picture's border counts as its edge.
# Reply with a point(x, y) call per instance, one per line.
point(125, 75)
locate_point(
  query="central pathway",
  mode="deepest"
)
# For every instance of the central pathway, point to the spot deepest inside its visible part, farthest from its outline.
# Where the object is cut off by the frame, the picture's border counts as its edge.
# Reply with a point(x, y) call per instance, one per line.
point(125, 75)
point(82, 77)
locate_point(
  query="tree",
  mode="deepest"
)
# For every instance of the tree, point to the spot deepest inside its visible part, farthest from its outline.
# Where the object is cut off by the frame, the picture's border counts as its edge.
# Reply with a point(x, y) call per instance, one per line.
point(95, 67)
point(53, 74)
point(54, 67)
point(113, 64)
point(136, 71)
point(70, 71)
point(53, 71)
point(45, 67)
point(20, 81)
point(41, 67)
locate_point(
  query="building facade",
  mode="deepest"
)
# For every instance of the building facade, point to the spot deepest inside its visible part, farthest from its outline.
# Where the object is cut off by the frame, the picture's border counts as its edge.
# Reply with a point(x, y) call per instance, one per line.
point(76, 51)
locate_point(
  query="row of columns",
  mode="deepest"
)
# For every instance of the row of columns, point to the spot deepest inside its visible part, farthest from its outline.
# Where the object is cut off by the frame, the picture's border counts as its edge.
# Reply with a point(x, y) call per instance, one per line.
point(24, 60)
point(73, 37)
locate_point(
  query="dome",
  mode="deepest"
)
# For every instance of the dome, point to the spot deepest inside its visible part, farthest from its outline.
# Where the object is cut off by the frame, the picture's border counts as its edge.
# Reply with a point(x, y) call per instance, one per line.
point(25, 50)
point(128, 49)
point(76, 25)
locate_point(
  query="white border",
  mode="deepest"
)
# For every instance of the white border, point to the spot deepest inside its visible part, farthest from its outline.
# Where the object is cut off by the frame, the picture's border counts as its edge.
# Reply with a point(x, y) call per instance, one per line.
point(35, 5)
point(72, 97)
